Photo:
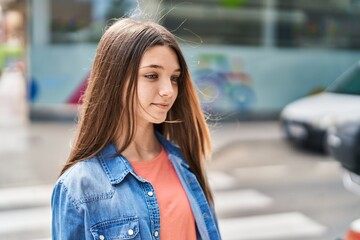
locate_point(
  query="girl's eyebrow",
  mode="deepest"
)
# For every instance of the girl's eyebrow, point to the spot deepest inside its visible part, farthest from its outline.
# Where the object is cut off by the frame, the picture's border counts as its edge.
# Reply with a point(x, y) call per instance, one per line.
point(159, 66)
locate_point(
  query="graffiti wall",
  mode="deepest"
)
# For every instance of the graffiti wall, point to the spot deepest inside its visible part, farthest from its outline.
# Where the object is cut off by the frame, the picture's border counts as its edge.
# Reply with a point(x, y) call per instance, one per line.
point(223, 84)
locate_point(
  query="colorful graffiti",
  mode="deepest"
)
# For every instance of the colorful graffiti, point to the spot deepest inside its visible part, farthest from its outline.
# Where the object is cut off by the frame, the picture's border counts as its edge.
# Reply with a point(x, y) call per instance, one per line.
point(223, 85)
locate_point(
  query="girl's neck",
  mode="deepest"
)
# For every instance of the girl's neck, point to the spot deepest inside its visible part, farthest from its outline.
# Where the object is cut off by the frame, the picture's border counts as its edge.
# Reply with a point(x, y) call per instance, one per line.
point(145, 145)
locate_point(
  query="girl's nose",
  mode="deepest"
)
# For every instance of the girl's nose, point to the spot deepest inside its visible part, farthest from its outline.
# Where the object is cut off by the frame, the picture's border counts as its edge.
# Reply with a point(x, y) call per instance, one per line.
point(166, 89)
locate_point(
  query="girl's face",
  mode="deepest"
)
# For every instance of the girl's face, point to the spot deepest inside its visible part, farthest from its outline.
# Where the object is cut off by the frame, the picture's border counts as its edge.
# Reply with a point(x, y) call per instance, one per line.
point(157, 86)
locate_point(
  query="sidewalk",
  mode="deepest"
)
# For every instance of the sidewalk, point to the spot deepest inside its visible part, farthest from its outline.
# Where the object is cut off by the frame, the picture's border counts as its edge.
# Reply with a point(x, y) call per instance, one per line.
point(33, 154)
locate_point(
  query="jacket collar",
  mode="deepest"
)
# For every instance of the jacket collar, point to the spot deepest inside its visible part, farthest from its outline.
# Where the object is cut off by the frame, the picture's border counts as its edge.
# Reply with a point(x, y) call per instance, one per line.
point(116, 167)
point(172, 150)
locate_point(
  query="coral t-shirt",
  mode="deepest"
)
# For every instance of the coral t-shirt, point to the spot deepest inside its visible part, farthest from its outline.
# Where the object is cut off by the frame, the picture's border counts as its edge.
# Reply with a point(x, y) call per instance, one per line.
point(176, 217)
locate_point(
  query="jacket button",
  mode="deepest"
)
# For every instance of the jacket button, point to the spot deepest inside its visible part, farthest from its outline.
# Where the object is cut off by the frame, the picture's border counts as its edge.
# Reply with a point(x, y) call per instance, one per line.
point(130, 232)
point(150, 194)
point(101, 237)
point(156, 234)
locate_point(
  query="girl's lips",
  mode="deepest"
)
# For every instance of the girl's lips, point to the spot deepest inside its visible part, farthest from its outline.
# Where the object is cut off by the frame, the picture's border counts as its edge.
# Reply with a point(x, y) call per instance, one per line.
point(161, 105)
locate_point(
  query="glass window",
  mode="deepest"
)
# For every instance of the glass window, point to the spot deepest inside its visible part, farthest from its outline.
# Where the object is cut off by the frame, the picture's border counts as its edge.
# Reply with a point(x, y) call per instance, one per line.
point(348, 83)
point(84, 20)
point(275, 23)
point(215, 22)
point(318, 24)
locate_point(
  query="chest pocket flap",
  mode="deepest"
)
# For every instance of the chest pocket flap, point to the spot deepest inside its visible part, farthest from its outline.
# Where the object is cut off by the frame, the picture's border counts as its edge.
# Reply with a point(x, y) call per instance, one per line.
point(117, 229)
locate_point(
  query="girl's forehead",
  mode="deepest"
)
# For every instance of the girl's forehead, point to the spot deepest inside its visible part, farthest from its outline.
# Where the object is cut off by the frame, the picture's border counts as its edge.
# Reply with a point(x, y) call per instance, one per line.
point(162, 56)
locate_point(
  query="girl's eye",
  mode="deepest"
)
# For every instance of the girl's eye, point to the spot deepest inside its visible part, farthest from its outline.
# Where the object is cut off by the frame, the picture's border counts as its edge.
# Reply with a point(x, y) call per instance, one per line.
point(151, 76)
point(175, 79)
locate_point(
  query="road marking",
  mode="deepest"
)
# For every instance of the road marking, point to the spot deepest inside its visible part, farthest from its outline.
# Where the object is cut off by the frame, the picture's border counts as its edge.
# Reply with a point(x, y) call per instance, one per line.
point(240, 200)
point(274, 226)
point(219, 180)
point(243, 132)
point(25, 220)
point(25, 196)
point(257, 172)
point(279, 172)
point(327, 168)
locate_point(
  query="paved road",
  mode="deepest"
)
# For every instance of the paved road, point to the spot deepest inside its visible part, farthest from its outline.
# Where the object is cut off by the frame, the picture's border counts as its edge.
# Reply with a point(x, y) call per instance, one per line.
point(264, 188)
point(267, 189)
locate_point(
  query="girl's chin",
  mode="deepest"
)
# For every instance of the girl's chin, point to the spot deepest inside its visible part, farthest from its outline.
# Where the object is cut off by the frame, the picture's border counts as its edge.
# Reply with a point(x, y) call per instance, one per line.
point(157, 120)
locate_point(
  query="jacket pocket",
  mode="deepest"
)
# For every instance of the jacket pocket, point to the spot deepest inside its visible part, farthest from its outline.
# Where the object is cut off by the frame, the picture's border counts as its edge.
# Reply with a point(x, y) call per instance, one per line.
point(116, 229)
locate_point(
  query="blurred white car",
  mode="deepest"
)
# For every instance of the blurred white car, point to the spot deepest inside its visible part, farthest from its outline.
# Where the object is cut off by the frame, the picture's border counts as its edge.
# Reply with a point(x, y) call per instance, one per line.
point(307, 120)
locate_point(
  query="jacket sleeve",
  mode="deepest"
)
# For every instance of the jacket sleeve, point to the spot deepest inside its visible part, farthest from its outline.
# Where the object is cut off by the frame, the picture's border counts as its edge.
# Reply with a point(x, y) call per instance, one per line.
point(67, 221)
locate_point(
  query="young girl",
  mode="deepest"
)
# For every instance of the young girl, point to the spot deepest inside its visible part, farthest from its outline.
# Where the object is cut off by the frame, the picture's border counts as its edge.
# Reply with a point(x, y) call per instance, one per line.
point(124, 179)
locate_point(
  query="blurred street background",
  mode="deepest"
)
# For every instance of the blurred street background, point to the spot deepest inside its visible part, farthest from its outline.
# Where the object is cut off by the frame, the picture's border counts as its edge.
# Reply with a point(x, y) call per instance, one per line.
point(264, 188)
point(248, 58)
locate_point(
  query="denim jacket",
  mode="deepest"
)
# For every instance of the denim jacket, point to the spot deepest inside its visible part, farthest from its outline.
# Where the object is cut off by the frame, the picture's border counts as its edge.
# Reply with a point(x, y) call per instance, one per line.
point(102, 198)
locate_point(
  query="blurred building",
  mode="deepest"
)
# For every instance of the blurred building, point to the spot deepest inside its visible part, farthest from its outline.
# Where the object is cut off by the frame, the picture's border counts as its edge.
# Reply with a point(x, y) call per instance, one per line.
point(13, 81)
point(248, 57)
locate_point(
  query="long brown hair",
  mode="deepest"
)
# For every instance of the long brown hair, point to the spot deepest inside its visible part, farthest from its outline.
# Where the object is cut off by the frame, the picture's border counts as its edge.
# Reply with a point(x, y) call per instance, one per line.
point(114, 77)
